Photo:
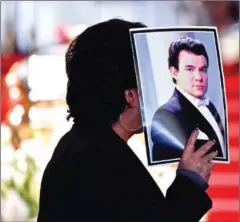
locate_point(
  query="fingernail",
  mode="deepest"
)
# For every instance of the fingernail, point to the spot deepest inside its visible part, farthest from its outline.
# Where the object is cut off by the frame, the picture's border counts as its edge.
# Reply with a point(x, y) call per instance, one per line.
point(214, 141)
point(197, 129)
point(210, 142)
point(216, 152)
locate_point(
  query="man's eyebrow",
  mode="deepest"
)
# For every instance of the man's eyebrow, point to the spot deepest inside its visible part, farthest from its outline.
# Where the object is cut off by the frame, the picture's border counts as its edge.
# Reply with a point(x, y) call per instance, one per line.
point(189, 66)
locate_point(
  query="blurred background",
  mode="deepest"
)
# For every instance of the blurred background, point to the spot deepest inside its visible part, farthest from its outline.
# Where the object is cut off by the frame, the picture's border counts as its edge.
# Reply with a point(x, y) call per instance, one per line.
point(34, 38)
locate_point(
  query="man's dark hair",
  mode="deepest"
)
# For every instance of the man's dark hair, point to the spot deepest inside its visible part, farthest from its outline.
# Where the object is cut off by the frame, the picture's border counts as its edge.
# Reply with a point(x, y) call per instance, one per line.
point(100, 67)
point(188, 44)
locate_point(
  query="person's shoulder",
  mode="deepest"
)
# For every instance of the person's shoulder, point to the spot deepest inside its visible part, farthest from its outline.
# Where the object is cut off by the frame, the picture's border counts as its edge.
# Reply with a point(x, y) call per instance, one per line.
point(168, 115)
point(171, 107)
point(72, 144)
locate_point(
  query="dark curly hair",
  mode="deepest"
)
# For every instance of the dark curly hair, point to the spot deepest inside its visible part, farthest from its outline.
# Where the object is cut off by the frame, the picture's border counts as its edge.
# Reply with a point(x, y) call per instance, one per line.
point(100, 67)
point(188, 44)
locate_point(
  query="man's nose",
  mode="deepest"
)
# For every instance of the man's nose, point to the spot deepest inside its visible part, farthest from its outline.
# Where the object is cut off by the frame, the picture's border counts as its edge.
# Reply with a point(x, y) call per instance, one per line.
point(197, 75)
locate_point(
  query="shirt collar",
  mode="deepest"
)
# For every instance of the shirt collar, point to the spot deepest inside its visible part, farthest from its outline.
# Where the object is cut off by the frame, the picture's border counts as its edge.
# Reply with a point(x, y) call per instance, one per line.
point(195, 101)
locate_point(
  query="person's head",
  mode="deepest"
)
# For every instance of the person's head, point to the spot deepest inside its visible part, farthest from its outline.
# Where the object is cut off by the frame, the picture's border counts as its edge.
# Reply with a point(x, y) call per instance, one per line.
point(101, 76)
point(188, 63)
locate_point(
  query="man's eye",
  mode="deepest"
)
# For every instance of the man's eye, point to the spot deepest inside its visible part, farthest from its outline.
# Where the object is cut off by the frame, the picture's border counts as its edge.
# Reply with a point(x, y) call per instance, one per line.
point(189, 69)
point(203, 70)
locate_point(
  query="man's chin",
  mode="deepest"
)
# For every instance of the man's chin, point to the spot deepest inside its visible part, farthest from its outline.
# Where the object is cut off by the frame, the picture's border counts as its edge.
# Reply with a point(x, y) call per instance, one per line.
point(199, 95)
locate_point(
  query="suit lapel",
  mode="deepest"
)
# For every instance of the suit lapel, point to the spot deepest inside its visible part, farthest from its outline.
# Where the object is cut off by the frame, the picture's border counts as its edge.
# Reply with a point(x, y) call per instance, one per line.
point(217, 117)
point(196, 117)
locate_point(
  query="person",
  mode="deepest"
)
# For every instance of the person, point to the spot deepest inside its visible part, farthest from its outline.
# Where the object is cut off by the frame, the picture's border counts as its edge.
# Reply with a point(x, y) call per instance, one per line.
point(93, 174)
point(189, 107)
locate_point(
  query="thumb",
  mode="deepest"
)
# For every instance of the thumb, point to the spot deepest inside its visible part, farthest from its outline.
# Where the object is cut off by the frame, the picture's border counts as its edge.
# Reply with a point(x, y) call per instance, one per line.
point(190, 145)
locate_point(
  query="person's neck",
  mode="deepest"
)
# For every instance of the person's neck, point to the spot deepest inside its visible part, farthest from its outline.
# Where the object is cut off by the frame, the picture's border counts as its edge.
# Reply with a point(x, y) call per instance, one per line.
point(122, 133)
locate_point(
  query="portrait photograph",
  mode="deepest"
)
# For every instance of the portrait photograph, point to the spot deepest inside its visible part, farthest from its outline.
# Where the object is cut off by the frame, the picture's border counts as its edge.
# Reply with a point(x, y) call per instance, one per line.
point(181, 86)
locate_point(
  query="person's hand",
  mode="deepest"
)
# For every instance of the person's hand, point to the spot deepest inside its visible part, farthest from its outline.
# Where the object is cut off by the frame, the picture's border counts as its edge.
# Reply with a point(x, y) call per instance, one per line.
point(198, 161)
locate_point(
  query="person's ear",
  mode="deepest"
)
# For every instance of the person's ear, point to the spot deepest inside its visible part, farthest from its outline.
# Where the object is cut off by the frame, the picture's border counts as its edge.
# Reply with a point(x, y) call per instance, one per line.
point(131, 96)
point(174, 72)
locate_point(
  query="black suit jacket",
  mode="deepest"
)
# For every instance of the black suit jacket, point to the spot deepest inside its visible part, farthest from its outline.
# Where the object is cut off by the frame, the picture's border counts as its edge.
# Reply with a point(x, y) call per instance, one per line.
point(94, 175)
point(173, 124)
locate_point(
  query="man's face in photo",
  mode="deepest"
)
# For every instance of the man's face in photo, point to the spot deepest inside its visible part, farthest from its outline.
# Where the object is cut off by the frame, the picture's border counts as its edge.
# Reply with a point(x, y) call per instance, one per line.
point(192, 75)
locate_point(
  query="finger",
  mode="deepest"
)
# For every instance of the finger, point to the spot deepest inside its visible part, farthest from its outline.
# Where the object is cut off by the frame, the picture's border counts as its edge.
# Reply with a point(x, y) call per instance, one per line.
point(207, 168)
point(190, 145)
point(208, 177)
point(209, 157)
point(211, 165)
point(204, 149)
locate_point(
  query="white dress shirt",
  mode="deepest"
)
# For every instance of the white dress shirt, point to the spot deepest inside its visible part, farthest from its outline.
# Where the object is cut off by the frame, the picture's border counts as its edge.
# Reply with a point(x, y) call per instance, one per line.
point(201, 105)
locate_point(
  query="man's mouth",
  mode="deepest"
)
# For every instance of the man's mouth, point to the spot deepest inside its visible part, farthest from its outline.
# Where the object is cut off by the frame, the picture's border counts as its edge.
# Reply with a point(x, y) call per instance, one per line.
point(199, 87)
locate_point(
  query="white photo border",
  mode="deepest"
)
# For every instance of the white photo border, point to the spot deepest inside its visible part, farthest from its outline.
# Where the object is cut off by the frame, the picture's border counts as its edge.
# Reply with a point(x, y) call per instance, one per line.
point(212, 29)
